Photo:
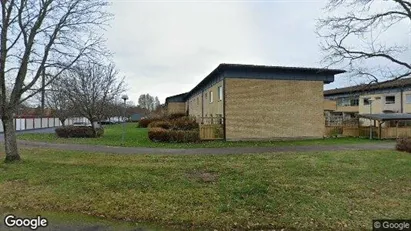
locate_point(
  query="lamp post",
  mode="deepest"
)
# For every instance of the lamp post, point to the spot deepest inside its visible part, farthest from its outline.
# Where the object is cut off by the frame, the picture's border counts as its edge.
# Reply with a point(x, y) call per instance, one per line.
point(370, 100)
point(125, 98)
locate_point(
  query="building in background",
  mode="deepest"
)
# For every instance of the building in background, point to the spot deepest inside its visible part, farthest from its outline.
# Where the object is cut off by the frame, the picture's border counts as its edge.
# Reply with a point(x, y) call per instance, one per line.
point(259, 102)
point(379, 98)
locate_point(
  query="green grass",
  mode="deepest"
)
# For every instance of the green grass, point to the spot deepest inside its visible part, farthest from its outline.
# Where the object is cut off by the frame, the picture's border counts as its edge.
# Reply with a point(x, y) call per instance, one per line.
point(137, 137)
point(313, 191)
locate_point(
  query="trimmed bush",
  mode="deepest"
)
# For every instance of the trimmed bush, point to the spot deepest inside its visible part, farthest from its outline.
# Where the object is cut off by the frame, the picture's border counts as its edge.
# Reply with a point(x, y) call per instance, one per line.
point(160, 124)
point(176, 116)
point(145, 122)
point(158, 135)
point(78, 132)
point(184, 123)
point(176, 136)
point(403, 144)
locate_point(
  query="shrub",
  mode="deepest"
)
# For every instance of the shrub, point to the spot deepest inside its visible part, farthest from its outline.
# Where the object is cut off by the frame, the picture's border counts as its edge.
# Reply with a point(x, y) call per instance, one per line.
point(184, 123)
point(158, 135)
point(78, 132)
point(146, 121)
point(176, 116)
point(177, 136)
point(160, 124)
point(403, 144)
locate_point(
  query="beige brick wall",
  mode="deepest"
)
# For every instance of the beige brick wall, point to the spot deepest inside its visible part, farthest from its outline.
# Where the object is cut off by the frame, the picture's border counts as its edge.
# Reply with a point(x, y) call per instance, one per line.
point(194, 106)
point(216, 107)
point(175, 107)
point(195, 103)
point(274, 109)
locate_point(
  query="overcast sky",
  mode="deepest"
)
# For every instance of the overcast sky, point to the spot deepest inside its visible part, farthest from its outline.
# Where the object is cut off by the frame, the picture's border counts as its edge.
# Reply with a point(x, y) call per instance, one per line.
point(167, 47)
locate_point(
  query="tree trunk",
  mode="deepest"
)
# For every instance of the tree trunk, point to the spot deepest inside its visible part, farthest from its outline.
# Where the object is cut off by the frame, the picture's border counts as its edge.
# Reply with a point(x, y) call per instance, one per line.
point(10, 140)
point(62, 122)
point(94, 128)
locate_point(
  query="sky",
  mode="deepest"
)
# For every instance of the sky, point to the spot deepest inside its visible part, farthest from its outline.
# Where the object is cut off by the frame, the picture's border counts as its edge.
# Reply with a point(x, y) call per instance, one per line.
point(166, 48)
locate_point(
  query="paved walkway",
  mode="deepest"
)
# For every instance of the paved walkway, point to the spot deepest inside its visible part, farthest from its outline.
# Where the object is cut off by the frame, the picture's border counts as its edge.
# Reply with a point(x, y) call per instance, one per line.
point(231, 150)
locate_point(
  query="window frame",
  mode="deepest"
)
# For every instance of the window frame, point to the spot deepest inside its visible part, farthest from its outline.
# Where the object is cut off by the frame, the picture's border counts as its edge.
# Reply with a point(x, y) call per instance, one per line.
point(389, 102)
point(406, 100)
point(211, 97)
point(220, 93)
point(366, 100)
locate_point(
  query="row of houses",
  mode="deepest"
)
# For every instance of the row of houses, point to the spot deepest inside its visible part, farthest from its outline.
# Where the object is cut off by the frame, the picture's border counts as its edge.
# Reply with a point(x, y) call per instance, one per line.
point(259, 102)
point(277, 102)
point(380, 98)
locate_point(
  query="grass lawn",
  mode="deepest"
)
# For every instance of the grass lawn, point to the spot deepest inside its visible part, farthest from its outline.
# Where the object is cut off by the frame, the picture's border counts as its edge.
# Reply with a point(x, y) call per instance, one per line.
point(312, 191)
point(137, 137)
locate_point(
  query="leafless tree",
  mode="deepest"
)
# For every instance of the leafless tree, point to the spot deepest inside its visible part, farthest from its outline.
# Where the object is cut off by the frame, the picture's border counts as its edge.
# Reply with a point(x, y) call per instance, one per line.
point(357, 33)
point(38, 36)
point(59, 102)
point(92, 88)
point(148, 102)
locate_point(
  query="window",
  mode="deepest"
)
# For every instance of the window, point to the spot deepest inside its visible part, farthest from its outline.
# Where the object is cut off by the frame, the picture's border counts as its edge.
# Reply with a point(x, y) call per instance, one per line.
point(366, 101)
point(220, 93)
point(408, 98)
point(354, 102)
point(390, 99)
point(211, 96)
point(206, 95)
point(198, 100)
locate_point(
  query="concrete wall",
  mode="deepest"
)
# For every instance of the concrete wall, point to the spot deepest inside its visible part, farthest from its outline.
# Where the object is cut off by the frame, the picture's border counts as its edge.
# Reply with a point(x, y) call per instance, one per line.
point(176, 107)
point(273, 109)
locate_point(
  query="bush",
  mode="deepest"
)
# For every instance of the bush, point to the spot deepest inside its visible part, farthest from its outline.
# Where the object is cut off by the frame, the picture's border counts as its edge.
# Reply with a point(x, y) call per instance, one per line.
point(78, 132)
point(145, 122)
point(403, 144)
point(184, 123)
point(177, 136)
point(176, 116)
point(160, 124)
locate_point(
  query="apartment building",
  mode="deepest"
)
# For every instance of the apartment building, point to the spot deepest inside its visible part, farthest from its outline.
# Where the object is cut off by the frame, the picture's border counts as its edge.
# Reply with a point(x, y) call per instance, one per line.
point(260, 102)
point(384, 97)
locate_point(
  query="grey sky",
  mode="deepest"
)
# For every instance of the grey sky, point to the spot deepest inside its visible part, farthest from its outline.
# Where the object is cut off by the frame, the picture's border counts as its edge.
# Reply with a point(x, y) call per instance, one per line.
point(167, 47)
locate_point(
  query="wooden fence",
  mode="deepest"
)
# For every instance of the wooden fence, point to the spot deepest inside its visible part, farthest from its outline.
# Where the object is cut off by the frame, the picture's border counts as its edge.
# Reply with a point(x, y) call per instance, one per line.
point(211, 132)
point(386, 132)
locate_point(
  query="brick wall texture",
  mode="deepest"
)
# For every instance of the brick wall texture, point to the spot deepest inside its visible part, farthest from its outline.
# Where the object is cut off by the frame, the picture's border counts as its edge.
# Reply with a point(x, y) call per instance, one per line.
point(175, 107)
point(273, 109)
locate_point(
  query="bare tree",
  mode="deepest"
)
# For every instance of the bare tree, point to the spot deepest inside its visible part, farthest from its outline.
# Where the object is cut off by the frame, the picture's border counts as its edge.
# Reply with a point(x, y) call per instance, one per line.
point(92, 88)
point(38, 36)
point(362, 37)
point(148, 102)
point(59, 102)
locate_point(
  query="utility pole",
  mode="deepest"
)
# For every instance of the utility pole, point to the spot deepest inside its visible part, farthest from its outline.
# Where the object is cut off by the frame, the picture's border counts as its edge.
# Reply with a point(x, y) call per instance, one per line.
point(43, 91)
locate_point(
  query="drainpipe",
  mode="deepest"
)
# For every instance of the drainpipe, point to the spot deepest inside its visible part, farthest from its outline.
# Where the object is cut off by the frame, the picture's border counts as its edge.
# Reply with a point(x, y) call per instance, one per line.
point(402, 98)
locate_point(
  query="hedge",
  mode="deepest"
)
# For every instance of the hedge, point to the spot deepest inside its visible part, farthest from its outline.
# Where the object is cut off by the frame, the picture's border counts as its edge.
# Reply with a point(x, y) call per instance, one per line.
point(176, 136)
point(176, 116)
point(160, 124)
point(146, 121)
point(78, 132)
point(184, 123)
point(403, 144)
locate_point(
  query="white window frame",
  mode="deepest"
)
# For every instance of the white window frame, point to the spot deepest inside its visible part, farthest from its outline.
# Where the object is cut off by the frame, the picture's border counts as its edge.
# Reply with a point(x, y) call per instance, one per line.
point(211, 96)
point(220, 93)
point(391, 102)
point(408, 98)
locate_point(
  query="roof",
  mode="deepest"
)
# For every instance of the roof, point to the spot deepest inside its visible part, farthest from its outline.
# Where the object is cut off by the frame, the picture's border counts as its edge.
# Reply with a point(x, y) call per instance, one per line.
point(387, 117)
point(176, 98)
point(368, 87)
point(247, 70)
